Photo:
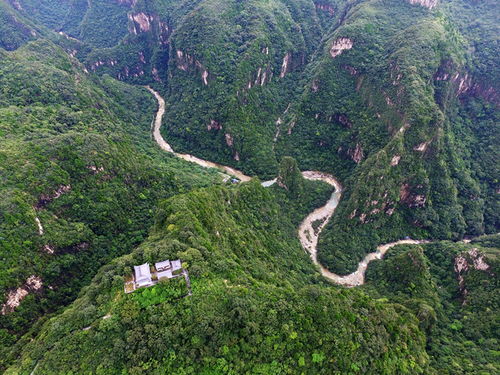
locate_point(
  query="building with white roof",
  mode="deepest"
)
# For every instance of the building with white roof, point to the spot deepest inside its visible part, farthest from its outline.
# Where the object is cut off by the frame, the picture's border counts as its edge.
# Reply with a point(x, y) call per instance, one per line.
point(167, 268)
point(163, 266)
point(164, 274)
point(176, 265)
point(143, 275)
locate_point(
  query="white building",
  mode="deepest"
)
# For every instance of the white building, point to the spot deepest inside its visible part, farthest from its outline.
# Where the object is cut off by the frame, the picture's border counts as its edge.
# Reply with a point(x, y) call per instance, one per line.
point(163, 266)
point(166, 268)
point(176, 265)
point(143, 275)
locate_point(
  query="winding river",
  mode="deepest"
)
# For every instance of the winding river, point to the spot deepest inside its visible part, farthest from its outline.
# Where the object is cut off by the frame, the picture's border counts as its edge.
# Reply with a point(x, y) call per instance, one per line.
point(308, 235)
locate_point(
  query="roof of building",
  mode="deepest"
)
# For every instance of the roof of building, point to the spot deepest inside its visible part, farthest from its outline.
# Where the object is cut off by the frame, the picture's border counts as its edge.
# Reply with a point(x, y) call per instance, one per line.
point(142, 273)
point(163, 274)
point(176, 265)
point(163, 265)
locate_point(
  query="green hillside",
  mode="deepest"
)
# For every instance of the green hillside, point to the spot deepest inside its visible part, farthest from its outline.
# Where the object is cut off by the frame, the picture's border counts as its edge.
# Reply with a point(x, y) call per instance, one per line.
point(405, 115)
point(257, 305)
point(396, 99)
point(458, 314)
point(76, 155)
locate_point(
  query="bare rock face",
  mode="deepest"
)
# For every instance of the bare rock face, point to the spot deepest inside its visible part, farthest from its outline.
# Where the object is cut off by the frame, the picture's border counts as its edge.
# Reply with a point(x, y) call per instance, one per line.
point(229, 140)
point(139, 23)
point(156, 75)
point(340, 45)
point(344, 120)
point(395, 160)
point(214, 125)
point(327, 8)
point(204, 77)
point(466, 85)
point(185, 61)
point(263, 75)
point(469, 260)
point(17, 5)
point(48, 249)
point(425, 3)
point(463, 82)
point(315, 85)
point(285, 65)
point(47, 198)
point(351, 70)
point(422, 146)
point(96, 64)
point(411, 199)
point(357, 154)
point(14, 297)
point(164, 33)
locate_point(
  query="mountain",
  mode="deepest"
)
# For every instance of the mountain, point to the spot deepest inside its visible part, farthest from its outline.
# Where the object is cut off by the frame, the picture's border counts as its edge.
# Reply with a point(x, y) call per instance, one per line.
point(398, 98)
point(396, 101)
point(257, 304)
point(79, 180)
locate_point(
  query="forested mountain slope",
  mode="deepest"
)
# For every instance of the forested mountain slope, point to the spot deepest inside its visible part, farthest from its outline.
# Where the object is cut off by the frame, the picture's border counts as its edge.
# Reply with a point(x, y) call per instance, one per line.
point(453, 289)
point(257, 305)
point(79, 182)
point(397, 98)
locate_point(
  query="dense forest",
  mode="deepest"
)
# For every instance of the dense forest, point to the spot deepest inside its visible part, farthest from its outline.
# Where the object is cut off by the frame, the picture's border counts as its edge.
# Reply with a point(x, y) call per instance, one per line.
point(398, 99)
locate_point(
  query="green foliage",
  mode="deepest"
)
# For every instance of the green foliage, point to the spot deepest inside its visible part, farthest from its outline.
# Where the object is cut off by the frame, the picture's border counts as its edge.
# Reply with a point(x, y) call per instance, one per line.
point(258, 305)
point(460, 318)
point(406, 118)
point(75, 154)
point(13, 31)
point(290, 178)
point(167, 290)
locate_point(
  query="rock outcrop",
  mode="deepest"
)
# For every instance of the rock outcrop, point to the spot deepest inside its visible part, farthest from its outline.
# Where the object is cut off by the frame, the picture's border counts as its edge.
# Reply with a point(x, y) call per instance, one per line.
point(469, 260)
point(14, 297)
point(139, 22)
point(425, 3)
point(327, 8)
point(47, 198)
point(410, 198)
point(356, 154)
point(340, 45)
point(285, 64)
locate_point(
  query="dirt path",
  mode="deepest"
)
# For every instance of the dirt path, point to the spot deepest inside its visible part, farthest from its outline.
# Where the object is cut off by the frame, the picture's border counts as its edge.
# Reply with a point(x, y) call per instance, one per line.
point(193, 159)
point(308, 235)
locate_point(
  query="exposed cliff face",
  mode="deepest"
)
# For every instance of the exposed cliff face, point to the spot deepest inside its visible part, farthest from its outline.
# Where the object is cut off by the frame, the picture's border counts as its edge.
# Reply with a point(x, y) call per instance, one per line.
point(395, 160)
point(285, 64)
point(356, 154)
point(264, 75)
point(148, 40)
point(425, 3)
point(187, 62)
point(16, 4)
point(139, 23)
point(340, 45)
point(326, 8)
point(14, 297)
point(465, 84)
point(412, 197)
point(214, 125)
point(47, 198)
point(466, 262)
